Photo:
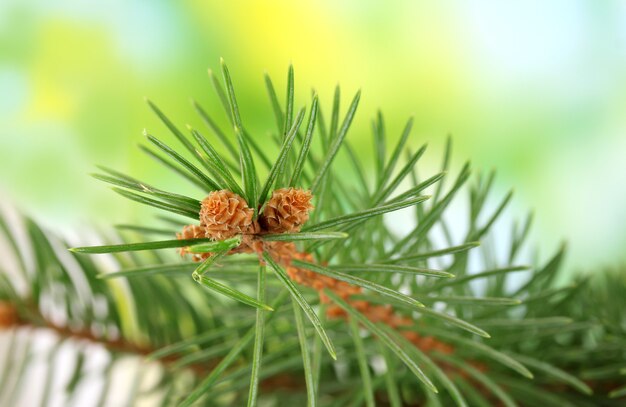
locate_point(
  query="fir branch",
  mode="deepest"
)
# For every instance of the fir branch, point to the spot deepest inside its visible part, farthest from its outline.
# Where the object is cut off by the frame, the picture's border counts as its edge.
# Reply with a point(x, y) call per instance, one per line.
point(344, 266)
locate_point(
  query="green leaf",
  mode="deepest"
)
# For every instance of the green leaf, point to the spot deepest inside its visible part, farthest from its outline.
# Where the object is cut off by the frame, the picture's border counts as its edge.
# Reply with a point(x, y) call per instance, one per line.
point(483, 274)
point(358, 169)
point(382, 290)
point(293, 237)
point(235, 379)
point(218, 132)
point(306, 145)
point(236, 350)
point(248, 170)
point(129, 247)
point(534, 395)
point(494, 216)
point(390, 378)
point(555, 372)
point(450, 319)
point(289, 104)
point(336, 143)
point(413, 191)
point(297, 296)
point(408, 194)
point(544, 275)
point(412, 240)
point(408, 167)
point(445, 165)
point(175, 168)
point(282, 156)
point(216, 245)
point(226, 103)
point(316, 358)
point(605, 371)
point(365, 214)
point(479, 347)
point(216, 163)
point(202, 338)
point(200, 356)
point(145, 230)
point(232, 101)
point(306, 355)
point(393, 160)
point(15, 247)
point(385, 338)
point(250, 140)
point(179, 135)
point(480, 377)
point(454, 392)
point(457, 299)
point(435, 253)
point(278, 113)
point(52, 364)
point(124, 181)
point(361, 358)
point(206, 265)
point(518, 239)
point(229, 292)
point(389, 268)
point(617, 393)
point(177, 269)
point(454, 321)
point(378, 127)
point(18, 373)
point(157, 204)
point(334, 118)
point(77, 373)
point(553, 292)
point(220, 93)
point(478, 195)
point(192, 169)
point(547, 322)
point(272, 368)
point(258, 341)
point(178, 223)
point(475, 396)
point(210, 380)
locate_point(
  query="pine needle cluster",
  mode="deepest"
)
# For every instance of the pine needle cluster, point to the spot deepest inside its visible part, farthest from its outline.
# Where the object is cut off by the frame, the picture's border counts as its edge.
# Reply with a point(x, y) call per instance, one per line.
point(302, 291)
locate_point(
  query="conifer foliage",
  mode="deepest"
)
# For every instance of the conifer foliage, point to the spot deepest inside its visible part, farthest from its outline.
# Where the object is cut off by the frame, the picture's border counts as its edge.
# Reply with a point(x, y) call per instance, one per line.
point(282, 281)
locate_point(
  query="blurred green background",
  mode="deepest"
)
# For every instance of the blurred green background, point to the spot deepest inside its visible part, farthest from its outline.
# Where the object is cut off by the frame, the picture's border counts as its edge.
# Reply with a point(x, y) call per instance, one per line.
point(534, 89)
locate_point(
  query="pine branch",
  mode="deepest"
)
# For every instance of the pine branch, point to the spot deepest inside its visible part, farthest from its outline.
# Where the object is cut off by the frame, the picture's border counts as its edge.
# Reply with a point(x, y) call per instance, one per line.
point(465, 332)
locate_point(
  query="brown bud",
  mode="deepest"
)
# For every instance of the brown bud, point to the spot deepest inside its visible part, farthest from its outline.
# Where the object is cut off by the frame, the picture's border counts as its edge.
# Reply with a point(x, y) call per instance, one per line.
point(361, 305)
point(225, 214)
point(287, 210)
point(193, 232)
point(281, 252)
point(411, 336)
point(335, 311)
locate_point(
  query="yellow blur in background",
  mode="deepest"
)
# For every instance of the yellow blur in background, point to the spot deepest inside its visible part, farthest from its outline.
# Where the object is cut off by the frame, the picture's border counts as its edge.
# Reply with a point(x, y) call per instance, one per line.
point(534, 89)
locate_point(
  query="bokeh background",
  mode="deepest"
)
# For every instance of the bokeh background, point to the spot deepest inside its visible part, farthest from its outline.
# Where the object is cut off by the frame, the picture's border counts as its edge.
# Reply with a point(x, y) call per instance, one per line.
point(534, 89)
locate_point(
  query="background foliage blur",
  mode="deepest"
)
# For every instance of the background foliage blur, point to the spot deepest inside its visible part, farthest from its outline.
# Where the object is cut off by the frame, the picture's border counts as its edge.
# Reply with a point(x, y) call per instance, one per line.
point(534, 89)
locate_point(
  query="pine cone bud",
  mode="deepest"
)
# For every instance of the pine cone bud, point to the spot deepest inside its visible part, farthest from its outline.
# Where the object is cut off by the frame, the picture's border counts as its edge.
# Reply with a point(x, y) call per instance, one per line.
point(281, 252)
point(287, 210)
point(192, 232)
point(225, 214)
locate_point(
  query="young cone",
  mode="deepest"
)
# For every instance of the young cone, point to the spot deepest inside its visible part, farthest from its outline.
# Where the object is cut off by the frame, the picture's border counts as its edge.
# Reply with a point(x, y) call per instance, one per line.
point(225, 214)
point(287, 210)
point(192, 232)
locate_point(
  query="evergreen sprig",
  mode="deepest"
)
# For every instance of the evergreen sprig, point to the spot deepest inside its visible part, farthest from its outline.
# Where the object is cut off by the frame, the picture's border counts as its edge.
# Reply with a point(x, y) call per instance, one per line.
point(485, 329)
